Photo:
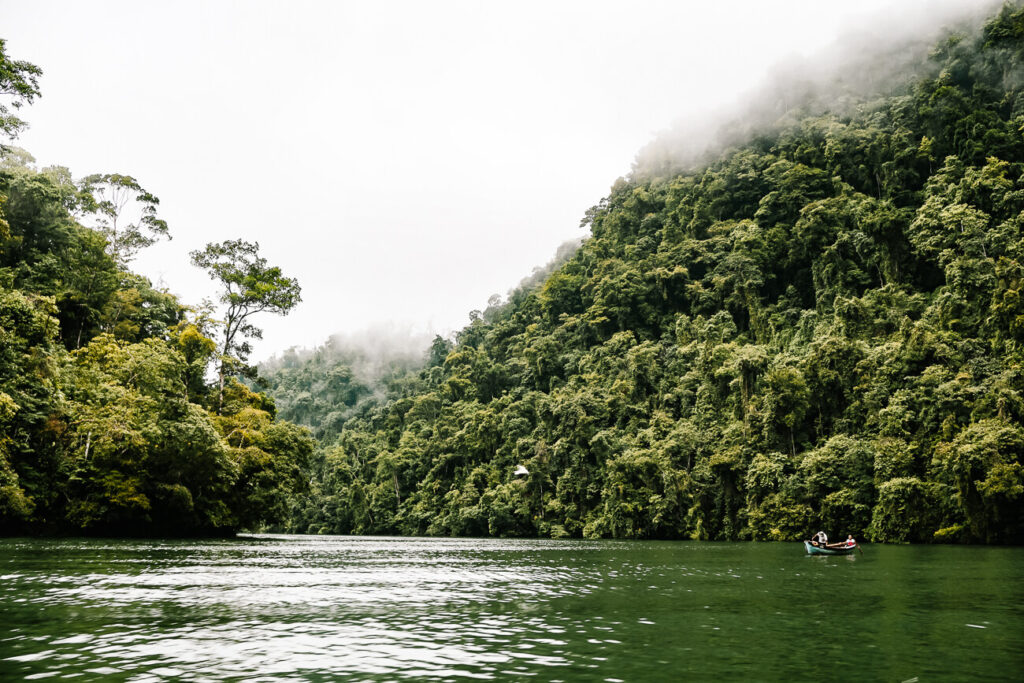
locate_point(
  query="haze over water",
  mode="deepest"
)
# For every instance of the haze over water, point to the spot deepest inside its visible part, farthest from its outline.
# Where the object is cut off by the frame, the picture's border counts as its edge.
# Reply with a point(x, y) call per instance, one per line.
point(327, 608)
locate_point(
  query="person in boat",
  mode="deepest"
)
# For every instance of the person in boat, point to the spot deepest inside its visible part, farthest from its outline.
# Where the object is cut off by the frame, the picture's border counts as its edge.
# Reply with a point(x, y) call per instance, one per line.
point(842, 545)
point(820, 539)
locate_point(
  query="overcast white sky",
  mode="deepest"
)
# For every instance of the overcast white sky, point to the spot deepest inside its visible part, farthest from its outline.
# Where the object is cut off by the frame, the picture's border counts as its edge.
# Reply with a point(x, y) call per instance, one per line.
point(403, 160)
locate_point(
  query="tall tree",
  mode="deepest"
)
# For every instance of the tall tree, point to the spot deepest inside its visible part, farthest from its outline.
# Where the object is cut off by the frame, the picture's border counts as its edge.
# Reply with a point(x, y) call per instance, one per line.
point(109, 197)
point(250, 286)
point(19, 81)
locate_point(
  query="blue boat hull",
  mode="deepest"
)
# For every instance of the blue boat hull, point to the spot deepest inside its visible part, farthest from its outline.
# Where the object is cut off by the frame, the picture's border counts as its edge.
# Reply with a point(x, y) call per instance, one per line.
point(814, 550)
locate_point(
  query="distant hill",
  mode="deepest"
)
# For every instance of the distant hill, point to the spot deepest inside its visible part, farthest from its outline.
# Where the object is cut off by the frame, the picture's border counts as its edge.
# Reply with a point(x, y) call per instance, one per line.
point(322, 387)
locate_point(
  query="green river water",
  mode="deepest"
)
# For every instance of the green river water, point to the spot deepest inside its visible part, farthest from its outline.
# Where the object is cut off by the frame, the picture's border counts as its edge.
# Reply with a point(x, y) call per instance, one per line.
point(274, 608)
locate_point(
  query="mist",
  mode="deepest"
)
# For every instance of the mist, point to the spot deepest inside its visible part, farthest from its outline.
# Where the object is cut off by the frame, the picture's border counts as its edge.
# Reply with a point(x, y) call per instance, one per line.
point(872, 58)
point(387, 350)
point(374, 354)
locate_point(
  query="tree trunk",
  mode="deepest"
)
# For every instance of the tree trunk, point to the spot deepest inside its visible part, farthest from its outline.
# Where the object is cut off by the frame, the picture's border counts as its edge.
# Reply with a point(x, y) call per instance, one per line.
point(220, 390)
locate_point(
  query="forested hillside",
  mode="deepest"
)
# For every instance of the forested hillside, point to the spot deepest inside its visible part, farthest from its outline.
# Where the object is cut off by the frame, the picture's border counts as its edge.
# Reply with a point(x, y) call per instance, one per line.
point(323, 387)
point(822, 327)
point(108, 423)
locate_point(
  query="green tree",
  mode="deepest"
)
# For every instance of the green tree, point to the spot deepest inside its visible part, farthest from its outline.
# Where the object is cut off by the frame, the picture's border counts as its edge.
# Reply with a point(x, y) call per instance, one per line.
point(141, 457)
point(19, 81)
point(125, 213)
point(250, 286)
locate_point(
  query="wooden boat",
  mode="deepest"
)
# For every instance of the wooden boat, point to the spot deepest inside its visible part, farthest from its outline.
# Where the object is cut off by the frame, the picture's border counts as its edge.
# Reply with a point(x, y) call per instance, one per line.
point(839, 549)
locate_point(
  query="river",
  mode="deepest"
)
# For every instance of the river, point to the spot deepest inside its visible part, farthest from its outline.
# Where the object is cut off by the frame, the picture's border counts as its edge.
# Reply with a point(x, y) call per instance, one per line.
point(305, 608)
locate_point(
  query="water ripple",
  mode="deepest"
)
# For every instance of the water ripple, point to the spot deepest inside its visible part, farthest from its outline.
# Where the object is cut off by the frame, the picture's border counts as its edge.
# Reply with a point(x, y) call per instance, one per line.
point(272, 608)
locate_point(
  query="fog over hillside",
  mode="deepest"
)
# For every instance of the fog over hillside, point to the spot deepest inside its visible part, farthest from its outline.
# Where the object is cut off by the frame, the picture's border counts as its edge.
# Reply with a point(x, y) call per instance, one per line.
point(871, 58)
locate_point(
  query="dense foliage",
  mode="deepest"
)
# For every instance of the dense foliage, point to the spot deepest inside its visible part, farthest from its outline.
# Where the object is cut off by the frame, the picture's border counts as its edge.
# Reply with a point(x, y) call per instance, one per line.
point(107, 421)
point(323, 387)
point(822, 327)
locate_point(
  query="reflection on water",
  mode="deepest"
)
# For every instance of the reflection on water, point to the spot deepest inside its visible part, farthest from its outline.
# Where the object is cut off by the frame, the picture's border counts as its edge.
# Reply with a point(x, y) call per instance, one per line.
point(328, 608)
